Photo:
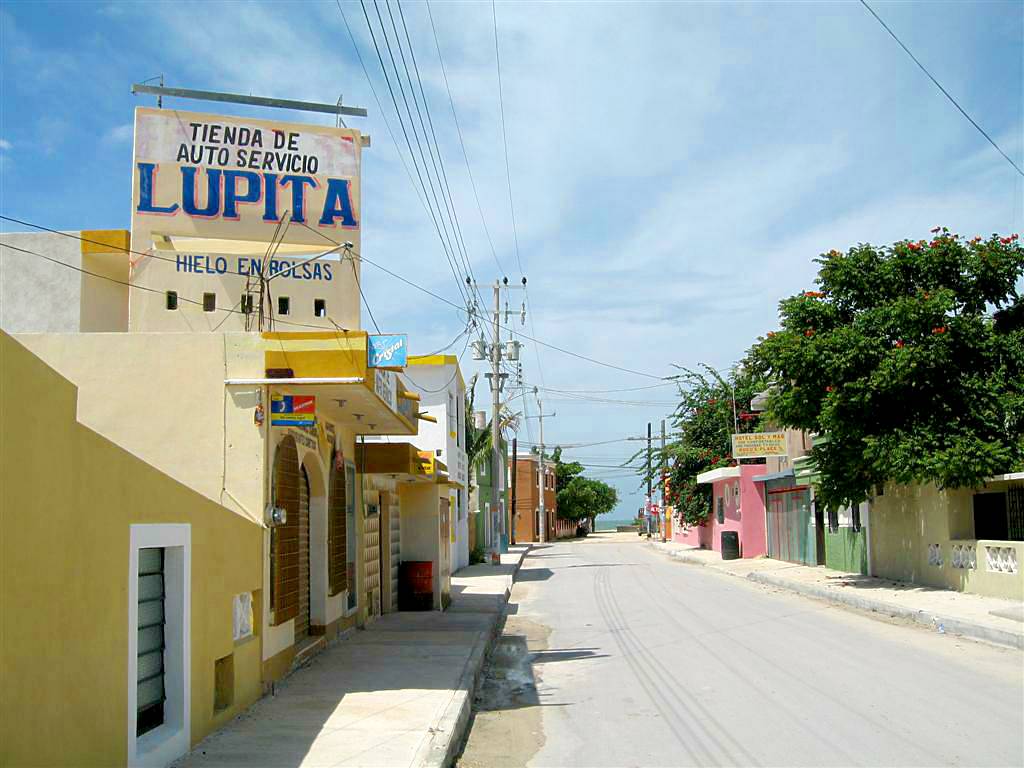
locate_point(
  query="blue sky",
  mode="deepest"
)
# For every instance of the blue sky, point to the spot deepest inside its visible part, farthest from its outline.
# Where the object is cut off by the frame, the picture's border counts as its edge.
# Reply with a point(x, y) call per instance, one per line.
point(675, 167)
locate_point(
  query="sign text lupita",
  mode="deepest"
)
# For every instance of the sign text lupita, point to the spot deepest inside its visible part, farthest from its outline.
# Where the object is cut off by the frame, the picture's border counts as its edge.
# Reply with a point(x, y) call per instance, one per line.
point(215, 171)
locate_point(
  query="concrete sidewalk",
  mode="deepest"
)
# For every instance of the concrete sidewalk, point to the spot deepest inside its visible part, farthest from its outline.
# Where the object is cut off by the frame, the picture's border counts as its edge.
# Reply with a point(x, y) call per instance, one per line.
point(981, 618)
point(398, 693)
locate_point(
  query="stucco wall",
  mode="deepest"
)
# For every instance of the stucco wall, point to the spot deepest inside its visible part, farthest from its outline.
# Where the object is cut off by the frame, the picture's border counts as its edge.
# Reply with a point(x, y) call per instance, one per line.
point(846, 550)
point(435, 378)
point(419, 504)
point(36, 294)
point(744, 514)
point(162, 397)
point(907, 520)
point(68, 497)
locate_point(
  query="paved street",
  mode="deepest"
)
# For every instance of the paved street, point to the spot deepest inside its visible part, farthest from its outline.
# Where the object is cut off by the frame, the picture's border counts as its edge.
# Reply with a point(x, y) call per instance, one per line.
point(616, 655)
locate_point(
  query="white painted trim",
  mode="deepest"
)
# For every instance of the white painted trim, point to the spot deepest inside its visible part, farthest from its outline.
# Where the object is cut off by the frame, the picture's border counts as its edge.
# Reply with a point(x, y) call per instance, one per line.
point(172, 739)
point(1004, 478)
point(722, 473)
point(291, 382)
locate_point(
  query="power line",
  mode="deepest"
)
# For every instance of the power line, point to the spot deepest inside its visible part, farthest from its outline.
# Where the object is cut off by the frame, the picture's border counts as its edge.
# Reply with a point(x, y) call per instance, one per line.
point(476, 313)
point(433, 147)
point(462, 141)
point(939, 86)
point(450, 344)
point(605, 391)
point(445, 244)
point(504, 136)
point(359, 285)
point(135, 286)
point(445, 386)
point(410, 283)
point(387, 123)
point(445, 187)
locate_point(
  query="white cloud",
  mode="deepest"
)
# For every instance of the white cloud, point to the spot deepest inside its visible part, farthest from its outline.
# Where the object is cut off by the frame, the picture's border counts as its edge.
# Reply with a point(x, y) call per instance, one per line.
point(5, 145)
point(675, 167)
point(119, 134)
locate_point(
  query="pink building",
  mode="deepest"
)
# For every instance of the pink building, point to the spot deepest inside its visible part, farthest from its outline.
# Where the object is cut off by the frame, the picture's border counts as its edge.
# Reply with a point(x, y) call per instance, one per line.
point(737, 504)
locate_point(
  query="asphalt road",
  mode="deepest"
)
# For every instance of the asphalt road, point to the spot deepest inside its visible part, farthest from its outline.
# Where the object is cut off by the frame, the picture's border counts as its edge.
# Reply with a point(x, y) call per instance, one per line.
point(615, 655)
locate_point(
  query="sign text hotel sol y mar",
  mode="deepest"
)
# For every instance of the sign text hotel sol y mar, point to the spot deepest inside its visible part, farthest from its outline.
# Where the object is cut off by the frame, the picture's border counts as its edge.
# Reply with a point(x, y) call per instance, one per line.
point(758, 445)
point(227, 178)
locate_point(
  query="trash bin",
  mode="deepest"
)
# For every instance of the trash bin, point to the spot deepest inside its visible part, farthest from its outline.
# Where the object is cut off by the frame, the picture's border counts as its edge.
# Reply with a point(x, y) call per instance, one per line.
point(730, 545)
point(416, 585)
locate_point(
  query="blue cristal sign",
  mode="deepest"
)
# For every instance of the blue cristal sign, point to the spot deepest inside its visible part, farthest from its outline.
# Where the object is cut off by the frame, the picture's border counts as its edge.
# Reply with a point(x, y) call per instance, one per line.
point(389, 351)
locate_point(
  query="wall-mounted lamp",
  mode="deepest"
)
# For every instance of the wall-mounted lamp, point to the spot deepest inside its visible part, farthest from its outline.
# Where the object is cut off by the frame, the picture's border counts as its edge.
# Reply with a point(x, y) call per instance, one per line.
point(275, 516)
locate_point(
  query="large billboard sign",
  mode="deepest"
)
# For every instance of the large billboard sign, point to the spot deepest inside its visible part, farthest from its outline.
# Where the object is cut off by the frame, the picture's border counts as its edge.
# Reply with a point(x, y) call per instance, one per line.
point(229, 178)
point(758, 445)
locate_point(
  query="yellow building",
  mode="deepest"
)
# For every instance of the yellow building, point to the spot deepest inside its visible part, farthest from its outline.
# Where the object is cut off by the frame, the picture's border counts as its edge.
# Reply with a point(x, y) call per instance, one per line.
point(961, 539)
point(103, 560)
point(196, 411)
point(187, 516)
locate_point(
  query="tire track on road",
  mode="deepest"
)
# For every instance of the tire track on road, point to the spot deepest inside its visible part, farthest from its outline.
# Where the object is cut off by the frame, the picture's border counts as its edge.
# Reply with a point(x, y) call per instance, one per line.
point(632, 653)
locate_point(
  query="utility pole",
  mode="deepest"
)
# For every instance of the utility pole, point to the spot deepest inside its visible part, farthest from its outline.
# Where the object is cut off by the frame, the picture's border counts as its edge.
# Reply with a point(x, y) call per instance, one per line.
point(512, 513)
point(497, 384)
point(494, 352)
point(543, 486)
point(650, 496)
point(664, 503)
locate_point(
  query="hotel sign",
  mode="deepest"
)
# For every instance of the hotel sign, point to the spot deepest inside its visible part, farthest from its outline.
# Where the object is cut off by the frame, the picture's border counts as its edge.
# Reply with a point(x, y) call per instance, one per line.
point(759, 445)
point(219, 177)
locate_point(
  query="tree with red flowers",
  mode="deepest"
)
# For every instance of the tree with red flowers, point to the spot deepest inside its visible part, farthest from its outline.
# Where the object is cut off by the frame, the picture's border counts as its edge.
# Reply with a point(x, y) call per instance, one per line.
point(702, 428)
point(911, 358)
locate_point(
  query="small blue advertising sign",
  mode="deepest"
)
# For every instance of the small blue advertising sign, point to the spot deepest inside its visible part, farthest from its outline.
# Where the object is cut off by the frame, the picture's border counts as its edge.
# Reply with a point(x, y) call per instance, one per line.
point(389, 351)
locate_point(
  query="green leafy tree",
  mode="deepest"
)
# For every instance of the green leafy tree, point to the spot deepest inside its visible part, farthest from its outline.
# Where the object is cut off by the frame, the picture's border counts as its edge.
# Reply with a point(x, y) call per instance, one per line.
point(585, 497)
point(910, 357)
point(579, 497)
point(703, 424)
point(565, 471)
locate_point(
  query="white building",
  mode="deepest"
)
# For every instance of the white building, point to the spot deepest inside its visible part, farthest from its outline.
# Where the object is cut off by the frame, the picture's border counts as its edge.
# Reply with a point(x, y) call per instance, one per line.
point(443, 396)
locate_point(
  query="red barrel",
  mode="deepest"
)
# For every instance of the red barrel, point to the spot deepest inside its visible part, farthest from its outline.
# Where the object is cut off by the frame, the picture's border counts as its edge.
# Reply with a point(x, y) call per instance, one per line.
point(416, 585)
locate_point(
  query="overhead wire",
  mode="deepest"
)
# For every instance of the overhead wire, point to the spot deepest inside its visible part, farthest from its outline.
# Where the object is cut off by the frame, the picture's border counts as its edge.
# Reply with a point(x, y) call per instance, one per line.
point(445, 187)
point(938, 85)
point(387, 123)
point(462, 142)
point(476, 313)
point(445, 244)
point(504, 135)
point(137, 287)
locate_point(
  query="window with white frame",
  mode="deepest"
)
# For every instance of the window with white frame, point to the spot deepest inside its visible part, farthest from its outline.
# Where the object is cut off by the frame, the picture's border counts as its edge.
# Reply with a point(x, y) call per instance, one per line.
point(159, 671)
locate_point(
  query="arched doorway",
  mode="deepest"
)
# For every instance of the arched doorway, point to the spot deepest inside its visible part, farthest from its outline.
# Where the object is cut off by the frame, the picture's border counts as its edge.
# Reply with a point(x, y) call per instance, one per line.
point(284, 539)
point(302, 617)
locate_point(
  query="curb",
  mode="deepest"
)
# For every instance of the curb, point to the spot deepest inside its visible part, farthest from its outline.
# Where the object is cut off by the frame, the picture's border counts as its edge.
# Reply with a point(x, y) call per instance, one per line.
point(956, 626)
point(449, 732)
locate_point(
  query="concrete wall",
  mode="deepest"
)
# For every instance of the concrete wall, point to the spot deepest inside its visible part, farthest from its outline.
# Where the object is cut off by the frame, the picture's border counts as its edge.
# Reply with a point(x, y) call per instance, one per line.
point(744, 514)
point(846, 550)
point(913, 533)
point(162, 397)
point(194, 273)
point(420, 529)
point(69, 498)
point(438, 380)
point(37, 295)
